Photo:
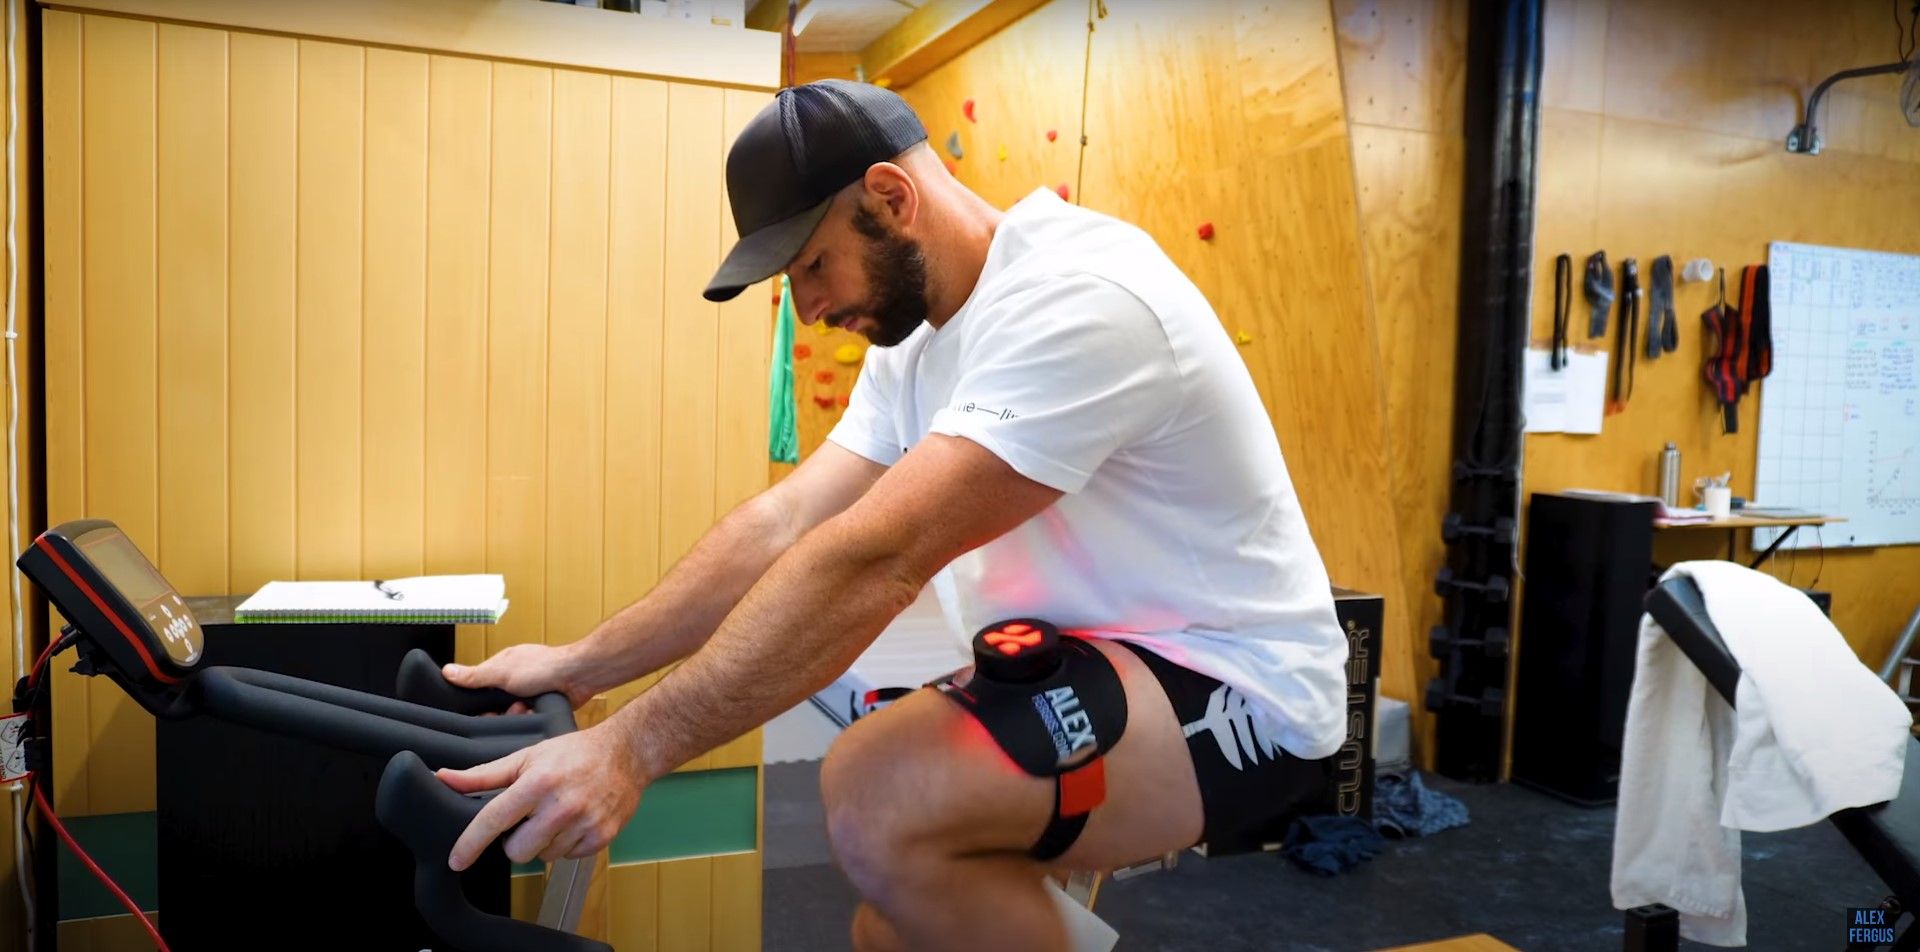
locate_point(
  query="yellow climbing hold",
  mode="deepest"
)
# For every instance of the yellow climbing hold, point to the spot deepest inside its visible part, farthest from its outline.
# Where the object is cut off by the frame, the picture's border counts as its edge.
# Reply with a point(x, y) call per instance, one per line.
point(1003, 153)
point(1242, 338)
point(849, 354)
point(821, 328)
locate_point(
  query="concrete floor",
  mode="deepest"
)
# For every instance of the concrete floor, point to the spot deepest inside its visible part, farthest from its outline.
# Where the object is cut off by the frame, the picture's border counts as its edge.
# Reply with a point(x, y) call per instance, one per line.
point(1530, 870)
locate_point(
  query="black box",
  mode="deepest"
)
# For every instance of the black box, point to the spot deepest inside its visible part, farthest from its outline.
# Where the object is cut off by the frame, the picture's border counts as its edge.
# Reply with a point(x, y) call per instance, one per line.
point(1360, 616)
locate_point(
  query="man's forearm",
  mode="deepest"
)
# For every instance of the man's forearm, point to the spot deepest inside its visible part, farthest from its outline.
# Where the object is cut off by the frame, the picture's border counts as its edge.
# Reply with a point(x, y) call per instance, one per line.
point(682, 611)
point(806, 621)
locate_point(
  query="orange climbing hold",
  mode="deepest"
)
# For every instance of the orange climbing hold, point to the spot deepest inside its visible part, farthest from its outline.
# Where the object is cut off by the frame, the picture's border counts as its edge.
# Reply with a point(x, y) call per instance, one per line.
point(1053, 134)
point(802, 351)
point(967, 108)
point(1065, 194)
point(823, 376)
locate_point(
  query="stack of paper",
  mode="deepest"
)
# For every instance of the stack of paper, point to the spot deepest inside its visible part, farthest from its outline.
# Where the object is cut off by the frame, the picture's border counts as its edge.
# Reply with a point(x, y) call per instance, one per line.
point(428, 598)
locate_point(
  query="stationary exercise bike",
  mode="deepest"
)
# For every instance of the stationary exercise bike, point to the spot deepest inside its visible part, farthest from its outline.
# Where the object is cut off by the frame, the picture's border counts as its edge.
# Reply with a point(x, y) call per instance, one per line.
point(127, 623)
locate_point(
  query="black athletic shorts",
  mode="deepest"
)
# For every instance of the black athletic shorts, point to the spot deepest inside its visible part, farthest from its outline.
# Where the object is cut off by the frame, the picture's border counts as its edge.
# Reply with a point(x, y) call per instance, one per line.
point(1249, 787)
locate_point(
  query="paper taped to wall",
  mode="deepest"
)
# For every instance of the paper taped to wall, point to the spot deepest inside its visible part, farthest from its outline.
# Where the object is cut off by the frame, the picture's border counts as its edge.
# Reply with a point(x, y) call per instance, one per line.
point(1569, 400)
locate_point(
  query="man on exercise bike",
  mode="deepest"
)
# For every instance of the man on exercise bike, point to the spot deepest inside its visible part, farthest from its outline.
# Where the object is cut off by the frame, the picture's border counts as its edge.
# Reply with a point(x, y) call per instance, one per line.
point(1052, 425)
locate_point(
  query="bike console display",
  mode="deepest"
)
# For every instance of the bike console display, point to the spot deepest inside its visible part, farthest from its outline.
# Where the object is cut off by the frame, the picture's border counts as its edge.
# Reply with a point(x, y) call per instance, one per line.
point(138, 628)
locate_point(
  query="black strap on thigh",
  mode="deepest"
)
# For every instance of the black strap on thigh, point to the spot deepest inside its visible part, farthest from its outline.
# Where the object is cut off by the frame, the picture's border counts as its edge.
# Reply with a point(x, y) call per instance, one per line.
point(1055, 706)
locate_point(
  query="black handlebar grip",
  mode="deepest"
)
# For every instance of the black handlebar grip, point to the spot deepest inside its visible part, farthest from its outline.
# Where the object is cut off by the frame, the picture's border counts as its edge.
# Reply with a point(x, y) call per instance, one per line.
point(421, 682)
point(428, 816)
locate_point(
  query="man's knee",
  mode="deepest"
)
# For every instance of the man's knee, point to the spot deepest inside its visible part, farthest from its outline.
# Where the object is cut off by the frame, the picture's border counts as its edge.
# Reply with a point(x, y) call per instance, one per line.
point(870, 816)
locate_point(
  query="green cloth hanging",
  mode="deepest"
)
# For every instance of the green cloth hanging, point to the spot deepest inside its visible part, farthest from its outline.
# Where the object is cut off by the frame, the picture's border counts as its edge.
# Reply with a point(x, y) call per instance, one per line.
point(783, 433)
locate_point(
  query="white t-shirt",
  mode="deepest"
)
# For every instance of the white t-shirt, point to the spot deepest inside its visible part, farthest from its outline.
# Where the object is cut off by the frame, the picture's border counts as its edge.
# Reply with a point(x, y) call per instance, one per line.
point(1088, 362)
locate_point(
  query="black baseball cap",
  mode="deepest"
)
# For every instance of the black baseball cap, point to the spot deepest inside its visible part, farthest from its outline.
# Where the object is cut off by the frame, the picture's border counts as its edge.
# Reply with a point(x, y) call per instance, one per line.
point(790, 160)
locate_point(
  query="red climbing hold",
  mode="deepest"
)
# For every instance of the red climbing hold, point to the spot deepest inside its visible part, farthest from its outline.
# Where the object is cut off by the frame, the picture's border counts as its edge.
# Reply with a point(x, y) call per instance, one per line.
point(1053, 134)
point(846, 399)
point(802, 351)
point(967, 107)
point(823, 376)
point(952, 169)
point(1206, 231)
point(823, 400)
point(1064, 193)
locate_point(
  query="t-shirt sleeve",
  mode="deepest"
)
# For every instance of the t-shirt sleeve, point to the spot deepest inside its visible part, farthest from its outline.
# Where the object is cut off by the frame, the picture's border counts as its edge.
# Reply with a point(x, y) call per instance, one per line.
point(867, 428)
point(1062, 377)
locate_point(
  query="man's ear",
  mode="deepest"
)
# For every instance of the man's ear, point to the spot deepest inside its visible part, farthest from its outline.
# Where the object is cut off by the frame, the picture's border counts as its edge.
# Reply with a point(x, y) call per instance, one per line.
point(892, 190)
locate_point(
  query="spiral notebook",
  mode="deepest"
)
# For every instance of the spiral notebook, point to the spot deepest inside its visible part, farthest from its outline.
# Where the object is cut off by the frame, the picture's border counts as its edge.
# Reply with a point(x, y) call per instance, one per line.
point(477, 599)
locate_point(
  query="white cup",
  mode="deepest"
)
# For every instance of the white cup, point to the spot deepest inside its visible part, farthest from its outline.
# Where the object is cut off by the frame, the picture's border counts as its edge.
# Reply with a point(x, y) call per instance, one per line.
point(1718, 500)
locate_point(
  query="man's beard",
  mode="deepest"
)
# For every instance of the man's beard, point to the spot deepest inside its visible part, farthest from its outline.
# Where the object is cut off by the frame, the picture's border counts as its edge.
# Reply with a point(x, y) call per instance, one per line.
point(897, 281)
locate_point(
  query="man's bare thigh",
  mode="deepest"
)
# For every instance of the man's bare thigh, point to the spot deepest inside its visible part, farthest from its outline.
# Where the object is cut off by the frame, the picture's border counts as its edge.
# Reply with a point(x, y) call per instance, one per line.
point(951, 785)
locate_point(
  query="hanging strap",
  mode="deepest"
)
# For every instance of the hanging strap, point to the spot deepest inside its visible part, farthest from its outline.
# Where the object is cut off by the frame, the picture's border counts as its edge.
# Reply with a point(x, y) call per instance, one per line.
point(1723, 327)
point(1624, 350)
point(1663, 329)
point(1759, 308)
point(1562, 305)
point(1599, 288)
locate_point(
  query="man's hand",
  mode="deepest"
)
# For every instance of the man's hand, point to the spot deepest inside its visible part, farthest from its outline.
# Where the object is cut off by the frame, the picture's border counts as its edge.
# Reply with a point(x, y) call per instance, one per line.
point(575, 792)
point(525, 670)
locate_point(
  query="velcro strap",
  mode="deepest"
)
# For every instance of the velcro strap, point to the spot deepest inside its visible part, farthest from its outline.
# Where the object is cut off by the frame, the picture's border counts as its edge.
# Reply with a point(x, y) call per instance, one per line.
point(1084, 788)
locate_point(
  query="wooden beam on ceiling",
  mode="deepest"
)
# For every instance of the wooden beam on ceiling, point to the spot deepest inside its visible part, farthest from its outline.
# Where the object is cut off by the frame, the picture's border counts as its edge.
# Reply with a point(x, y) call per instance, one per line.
point(768, 15)
point(937, 32)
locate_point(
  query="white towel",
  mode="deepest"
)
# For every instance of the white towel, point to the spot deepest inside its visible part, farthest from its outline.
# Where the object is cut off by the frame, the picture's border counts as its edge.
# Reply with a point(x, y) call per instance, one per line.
point(1815, 732)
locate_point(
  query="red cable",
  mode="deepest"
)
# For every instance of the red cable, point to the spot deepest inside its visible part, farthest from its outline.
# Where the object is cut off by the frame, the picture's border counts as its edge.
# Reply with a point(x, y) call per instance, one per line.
point(47, 811)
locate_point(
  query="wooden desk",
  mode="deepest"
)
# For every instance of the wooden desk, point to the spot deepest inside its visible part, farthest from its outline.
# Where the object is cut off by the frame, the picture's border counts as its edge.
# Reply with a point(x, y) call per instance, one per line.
point(1736, 522)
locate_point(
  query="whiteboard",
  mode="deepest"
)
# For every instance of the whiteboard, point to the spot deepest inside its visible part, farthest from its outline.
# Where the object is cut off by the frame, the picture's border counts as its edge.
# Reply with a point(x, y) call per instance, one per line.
point(1840, 414)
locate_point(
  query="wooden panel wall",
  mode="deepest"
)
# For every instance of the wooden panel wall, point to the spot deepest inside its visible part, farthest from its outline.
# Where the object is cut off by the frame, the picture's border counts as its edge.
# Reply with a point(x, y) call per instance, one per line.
point(1404, 67)
point(21, 187)
point(1662, 134)
point(329, 310)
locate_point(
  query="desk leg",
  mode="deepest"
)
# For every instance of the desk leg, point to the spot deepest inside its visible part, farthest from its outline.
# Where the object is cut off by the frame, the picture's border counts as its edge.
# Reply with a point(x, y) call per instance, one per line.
point(1762, 557)
point(1733, 536)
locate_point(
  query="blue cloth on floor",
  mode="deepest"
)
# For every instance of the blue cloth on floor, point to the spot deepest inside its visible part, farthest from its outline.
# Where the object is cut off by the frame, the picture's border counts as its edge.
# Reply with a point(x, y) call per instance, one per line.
point(1330, 844)
point(1403, 807)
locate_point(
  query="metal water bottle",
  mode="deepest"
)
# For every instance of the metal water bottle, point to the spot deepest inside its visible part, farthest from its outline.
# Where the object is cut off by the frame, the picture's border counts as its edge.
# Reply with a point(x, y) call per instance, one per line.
point(1670, 476)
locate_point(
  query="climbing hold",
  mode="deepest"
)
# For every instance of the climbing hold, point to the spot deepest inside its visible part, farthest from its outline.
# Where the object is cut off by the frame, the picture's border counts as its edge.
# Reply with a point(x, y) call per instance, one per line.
point(823, 376)
point(1003, 153)
point(846, 400)
point(821, 328)
point(1242, 338)
point(967, 107)
point(1206, 231)
point(952, 169)
point(884, 82)
point(1053, 134)
point(802, 351)
point(1064, 193)
point(953, 146)
point(849, 354)
point(824, 401)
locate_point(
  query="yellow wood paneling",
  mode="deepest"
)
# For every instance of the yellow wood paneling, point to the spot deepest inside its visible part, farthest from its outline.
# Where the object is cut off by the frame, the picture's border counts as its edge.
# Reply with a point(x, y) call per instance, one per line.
point(590, 38)
point(517, 345)
point(633, 923)
point(261, 211)
point(577, 337)
point(459, 150)
point(317, 309)
point(61, 41)
point(118, 337)
point(684, 916)
point(191, 100)
point(736, 903)
point(393, 319)
point(636, 307)
point(23, 186)
point(327, 295)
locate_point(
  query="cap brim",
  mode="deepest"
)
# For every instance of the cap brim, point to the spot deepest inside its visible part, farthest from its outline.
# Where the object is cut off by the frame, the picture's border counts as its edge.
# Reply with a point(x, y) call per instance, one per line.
point(764, 253)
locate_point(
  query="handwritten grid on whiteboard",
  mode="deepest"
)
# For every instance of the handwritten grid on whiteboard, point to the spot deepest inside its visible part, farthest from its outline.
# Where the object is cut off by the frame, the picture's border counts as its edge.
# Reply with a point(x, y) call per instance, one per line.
point(1840, 415)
